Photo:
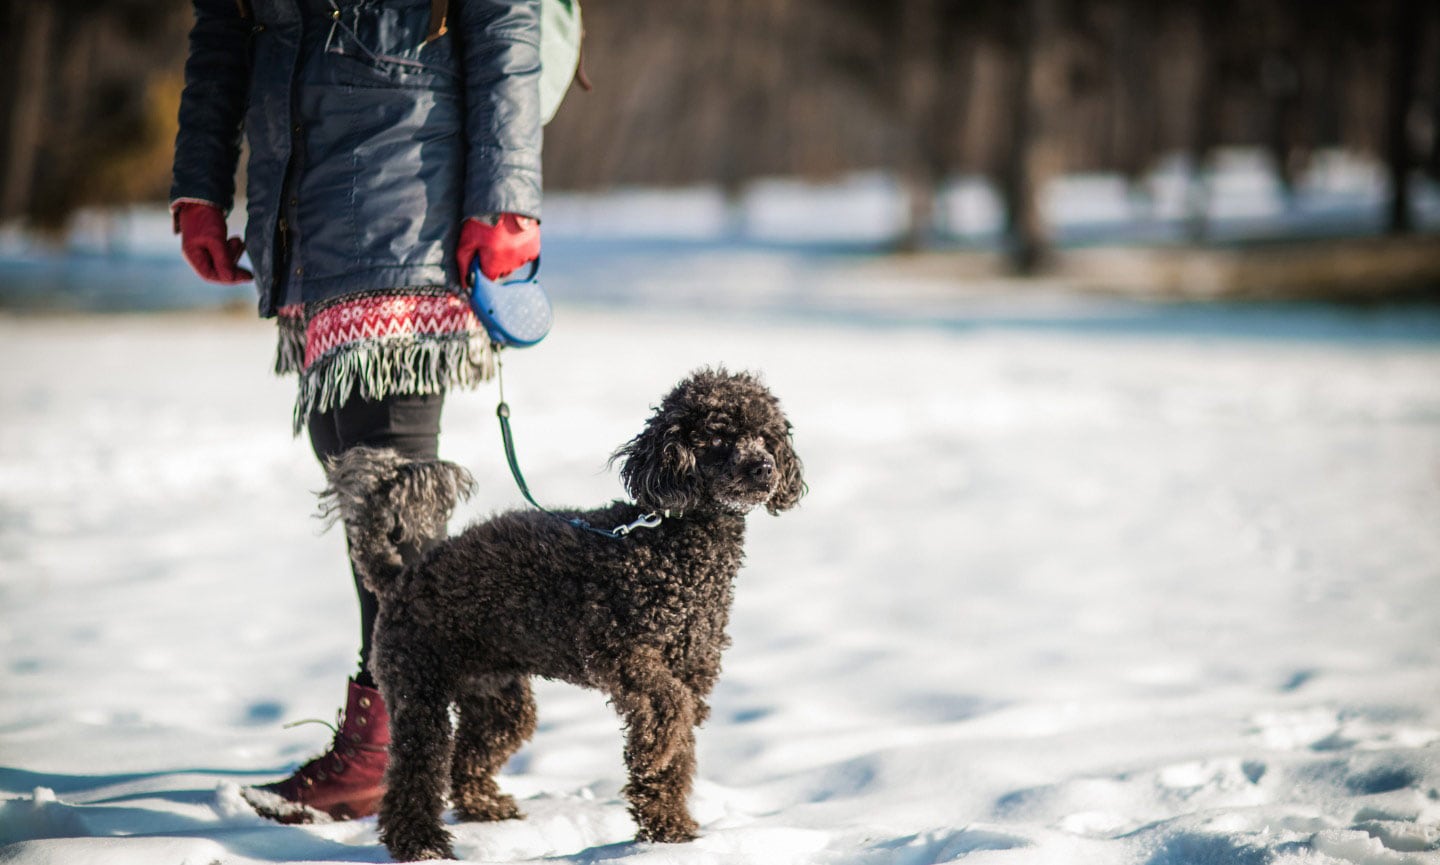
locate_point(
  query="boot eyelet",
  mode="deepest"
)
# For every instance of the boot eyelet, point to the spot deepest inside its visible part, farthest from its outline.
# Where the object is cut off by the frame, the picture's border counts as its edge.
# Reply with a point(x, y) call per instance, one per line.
point(355, 737)
point(338, 766)
point(364, 702)
point(309, 782)
point(319, 774)
point(362, 720)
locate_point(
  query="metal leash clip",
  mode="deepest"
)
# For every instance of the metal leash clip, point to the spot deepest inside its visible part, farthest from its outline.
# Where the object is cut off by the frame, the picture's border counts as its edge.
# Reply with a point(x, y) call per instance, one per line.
point(645, 521)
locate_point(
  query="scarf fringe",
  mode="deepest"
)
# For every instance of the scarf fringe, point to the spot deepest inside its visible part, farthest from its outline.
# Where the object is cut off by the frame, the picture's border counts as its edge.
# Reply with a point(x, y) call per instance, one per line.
point(290, 344)
point(376, 368)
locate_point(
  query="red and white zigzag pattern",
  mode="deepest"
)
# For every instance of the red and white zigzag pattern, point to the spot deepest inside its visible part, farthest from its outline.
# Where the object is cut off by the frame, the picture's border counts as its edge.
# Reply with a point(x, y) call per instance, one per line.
point(385, 316)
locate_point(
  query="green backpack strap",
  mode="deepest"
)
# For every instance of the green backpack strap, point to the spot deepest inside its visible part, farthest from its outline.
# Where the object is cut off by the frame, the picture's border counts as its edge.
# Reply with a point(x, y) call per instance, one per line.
point(561, 33)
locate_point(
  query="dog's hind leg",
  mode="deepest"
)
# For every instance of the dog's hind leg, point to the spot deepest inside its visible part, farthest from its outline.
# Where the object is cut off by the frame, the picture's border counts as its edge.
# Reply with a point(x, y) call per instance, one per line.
point(497, 716)
point(660, 718)
point(418, 692)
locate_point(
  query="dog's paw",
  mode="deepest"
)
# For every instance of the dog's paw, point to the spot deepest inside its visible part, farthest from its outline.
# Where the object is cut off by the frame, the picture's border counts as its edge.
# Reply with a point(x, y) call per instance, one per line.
point(417, 846)
point(670, 829)
point(488, 809)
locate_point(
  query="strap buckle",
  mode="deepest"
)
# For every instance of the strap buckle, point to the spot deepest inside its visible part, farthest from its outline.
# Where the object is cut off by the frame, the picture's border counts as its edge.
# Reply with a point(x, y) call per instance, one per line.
point(644, 521)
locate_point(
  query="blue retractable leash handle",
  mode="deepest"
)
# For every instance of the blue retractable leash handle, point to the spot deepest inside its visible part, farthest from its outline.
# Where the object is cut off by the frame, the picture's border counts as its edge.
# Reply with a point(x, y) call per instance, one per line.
point(515, 310)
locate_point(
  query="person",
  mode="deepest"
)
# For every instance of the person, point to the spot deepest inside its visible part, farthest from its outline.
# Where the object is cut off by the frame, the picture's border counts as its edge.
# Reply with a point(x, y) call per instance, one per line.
point(391, 143)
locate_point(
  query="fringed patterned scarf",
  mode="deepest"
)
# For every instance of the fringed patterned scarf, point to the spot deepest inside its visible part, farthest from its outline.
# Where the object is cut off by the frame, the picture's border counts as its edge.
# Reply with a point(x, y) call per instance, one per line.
point(417, 341)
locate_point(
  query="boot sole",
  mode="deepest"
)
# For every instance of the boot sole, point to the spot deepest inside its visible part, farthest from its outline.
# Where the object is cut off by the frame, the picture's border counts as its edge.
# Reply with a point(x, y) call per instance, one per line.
point(274, 807)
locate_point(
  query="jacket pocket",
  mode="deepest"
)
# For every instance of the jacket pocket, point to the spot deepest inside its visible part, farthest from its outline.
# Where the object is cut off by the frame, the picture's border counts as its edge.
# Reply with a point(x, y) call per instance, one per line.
point(389, 38)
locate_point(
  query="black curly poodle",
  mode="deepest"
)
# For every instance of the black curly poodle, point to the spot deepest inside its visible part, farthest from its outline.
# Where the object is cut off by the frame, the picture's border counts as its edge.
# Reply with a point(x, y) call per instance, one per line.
point(640, 618)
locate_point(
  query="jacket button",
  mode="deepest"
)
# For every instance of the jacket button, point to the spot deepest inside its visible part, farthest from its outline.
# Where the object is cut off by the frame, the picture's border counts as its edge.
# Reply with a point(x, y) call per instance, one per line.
point(258, 28)
point(335, 15)
point(299, 271)
point(294, 202)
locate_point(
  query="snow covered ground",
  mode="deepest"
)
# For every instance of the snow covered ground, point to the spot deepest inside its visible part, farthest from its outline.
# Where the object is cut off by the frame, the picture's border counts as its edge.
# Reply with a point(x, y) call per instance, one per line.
point(1075, 583)
point(1078, 581)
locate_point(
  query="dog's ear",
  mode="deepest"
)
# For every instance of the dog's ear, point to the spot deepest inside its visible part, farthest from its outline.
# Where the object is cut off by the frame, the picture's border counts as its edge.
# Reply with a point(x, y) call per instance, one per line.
point(659, 467)
point(792, 481)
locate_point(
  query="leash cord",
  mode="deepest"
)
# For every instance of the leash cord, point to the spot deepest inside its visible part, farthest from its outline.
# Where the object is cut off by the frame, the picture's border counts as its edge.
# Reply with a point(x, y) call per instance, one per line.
point(502, 411)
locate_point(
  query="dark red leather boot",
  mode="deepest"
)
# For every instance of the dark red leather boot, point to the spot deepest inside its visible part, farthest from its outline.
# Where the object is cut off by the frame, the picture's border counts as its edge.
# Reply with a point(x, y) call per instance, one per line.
point(344, 783)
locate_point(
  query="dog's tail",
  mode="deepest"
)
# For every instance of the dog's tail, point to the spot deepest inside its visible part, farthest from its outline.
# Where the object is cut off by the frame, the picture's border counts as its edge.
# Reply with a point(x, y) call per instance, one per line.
point(393, 508)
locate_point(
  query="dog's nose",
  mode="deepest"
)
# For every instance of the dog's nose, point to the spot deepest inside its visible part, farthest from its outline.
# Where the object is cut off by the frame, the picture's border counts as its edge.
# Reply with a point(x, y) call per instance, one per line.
point(762, 470)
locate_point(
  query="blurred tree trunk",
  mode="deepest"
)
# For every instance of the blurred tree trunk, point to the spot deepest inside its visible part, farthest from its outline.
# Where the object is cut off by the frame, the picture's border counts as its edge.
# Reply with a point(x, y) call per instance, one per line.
point(1135, 117)
point(1432, 159)
point(1281, 82)
point(24, 104)
point(919, 63)
point(1037, 85)
point(1405, 48)
point(952, 111)
point(1433, 163)
point(917, 88)
point(1205, 122)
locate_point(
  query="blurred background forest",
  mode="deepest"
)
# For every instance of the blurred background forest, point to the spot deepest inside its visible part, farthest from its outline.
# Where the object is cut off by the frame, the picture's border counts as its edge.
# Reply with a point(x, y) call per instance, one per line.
point(725, 92)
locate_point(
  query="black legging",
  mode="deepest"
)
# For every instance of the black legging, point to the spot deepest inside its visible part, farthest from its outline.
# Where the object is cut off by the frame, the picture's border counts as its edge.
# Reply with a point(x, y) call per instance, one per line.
point(407, 423)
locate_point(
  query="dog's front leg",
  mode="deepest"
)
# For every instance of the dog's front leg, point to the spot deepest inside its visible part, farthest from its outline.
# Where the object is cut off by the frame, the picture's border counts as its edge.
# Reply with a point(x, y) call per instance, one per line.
point(420, 751)
point(659, 712)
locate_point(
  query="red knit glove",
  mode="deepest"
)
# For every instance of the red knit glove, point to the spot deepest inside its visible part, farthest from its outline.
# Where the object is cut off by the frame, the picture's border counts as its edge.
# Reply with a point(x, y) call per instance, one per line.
point(202, 240)
point(511, 243)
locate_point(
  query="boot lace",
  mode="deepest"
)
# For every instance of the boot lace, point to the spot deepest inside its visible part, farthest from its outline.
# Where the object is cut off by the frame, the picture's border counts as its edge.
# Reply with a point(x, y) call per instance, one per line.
point(334, 728)
point(339, 749)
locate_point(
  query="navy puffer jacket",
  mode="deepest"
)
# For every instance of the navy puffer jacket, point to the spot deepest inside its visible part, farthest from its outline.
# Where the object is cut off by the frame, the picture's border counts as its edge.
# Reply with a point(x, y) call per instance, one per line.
point(368, 143)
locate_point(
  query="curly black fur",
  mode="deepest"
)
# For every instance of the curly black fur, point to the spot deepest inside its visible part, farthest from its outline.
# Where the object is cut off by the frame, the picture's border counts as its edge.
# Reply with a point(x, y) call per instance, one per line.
point(524, 594)
point(392, 507)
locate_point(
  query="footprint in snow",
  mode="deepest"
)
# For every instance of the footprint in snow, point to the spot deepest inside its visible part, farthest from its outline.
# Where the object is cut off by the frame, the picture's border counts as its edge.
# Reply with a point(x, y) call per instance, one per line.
point(929, 848)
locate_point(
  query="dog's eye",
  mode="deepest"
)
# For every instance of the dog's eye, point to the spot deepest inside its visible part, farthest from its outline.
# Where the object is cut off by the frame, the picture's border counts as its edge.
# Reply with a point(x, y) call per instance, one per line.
point(715, 449)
